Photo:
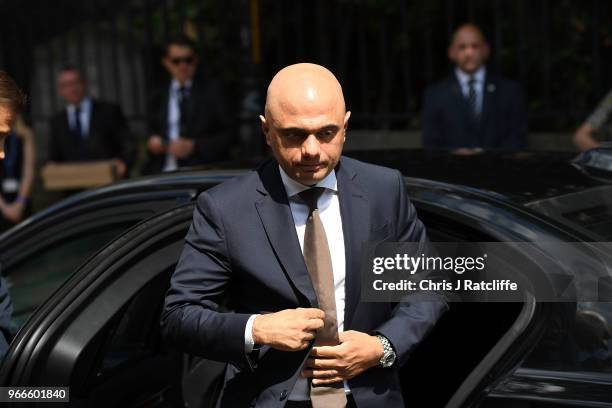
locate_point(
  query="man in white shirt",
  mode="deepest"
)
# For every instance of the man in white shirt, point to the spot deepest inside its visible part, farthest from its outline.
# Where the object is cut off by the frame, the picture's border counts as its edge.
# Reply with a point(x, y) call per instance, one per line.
point(88, 129)
point(188, 122)
point(473, 110)
point(282, 245)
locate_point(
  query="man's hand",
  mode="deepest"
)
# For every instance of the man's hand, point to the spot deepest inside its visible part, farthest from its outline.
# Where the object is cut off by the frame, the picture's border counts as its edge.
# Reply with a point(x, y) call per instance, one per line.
point(356, 353)
point(288, 330)
point(13, 212)
point(181, 147)
point(120, 167)
point(467, 151)
point(155, 144)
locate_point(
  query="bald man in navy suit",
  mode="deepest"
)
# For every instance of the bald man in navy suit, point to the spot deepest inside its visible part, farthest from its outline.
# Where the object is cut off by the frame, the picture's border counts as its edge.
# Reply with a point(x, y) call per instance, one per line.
point(282, 246)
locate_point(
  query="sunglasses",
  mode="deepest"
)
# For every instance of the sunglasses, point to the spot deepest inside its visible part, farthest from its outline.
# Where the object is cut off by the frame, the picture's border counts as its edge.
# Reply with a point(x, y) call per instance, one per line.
point(182, 60)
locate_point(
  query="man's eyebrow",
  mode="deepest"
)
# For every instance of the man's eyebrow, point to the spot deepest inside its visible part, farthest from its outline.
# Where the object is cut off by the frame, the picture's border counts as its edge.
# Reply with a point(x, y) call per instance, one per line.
point(298, 129)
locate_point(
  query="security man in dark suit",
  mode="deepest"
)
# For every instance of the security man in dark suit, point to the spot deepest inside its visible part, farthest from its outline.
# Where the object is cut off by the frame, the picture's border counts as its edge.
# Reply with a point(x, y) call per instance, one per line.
point(188, 120)
point(88, 129)
point(282, 246)
point(473, 110)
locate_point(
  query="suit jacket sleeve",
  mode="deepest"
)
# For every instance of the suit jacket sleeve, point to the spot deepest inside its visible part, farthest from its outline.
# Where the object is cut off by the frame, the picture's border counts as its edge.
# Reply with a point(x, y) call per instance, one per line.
point(517, 134)
point(191, 319)
point(414, 317)
point(432, 135)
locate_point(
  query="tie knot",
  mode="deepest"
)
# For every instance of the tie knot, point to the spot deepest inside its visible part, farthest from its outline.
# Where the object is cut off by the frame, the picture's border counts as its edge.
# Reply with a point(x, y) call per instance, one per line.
point(471, 81)
point(183, 91)
point(311, 196)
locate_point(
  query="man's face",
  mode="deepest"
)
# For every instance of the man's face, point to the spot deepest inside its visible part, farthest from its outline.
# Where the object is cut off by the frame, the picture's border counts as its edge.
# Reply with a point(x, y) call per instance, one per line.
point(71, 87)
point(181, 62)
point(307, 141)
point(6, 122)
point(469, 50)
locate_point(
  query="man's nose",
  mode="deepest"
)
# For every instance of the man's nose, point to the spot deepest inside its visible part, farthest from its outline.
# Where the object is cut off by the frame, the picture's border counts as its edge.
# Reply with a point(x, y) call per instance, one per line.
point(311, 146)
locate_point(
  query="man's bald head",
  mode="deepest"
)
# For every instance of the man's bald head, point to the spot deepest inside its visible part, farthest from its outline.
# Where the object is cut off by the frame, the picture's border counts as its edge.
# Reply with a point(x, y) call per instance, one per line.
point(305, 121)
point(468, 48)
point(303, 88)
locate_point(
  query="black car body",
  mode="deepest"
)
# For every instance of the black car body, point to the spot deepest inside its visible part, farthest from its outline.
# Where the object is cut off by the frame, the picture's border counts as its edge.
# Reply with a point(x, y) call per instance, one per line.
point(99, 334)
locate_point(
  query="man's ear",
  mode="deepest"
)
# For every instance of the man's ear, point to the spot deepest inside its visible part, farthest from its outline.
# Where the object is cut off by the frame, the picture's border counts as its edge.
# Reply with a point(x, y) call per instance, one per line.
point(265, 128)
point(451, 53)
point(486, 51)
point(347, 116)
point(165, 62)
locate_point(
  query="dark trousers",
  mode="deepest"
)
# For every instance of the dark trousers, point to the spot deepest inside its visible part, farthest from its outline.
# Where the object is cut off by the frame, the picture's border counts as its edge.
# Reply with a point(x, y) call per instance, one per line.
point(350, 403)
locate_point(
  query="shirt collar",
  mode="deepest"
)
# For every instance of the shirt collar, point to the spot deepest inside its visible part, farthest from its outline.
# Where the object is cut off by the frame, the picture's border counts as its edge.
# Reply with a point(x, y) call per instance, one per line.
point(464, 77)
point(84, 105)
point(175, 85)
point(293, 187)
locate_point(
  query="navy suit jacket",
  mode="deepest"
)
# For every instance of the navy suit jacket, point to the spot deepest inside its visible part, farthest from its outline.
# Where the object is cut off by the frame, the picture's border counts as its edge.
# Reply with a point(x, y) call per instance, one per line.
point(109, 136)
point(242, 247)
point(448, 123)
point(208, 124)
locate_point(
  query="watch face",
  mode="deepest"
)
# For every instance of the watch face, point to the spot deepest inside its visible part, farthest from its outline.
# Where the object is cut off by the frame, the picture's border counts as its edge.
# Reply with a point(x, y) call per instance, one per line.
point(388, 360)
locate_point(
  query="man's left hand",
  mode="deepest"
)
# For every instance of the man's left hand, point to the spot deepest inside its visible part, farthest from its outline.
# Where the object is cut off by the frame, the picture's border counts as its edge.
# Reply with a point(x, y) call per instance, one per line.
point(181, 147)
point(356, 353)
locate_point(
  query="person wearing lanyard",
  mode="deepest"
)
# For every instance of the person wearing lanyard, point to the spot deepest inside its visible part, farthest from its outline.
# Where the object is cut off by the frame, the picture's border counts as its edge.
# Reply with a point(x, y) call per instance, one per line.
point(12, 102)
point(17, 175)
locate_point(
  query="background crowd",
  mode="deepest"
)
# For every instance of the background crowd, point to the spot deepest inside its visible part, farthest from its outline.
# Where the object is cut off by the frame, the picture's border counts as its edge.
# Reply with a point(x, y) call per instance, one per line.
point(193, 118)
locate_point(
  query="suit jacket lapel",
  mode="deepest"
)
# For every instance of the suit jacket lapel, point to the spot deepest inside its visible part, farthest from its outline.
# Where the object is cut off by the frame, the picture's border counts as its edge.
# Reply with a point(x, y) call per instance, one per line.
point(488, 101)
point(354, 210)
point(93, 123)
point(460, 100)
point(165, 97)
point(277, 220)
point(73, 143)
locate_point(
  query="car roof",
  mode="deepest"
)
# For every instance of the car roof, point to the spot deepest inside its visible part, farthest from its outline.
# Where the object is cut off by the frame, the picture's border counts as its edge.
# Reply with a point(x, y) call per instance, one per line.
point(521, 176)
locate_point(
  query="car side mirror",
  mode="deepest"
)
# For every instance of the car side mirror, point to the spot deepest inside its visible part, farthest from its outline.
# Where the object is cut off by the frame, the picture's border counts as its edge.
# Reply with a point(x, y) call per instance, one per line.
point(596, 163)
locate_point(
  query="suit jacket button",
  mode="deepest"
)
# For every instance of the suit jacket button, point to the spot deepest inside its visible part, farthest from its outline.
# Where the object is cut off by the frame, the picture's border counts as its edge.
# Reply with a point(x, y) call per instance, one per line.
point(283, 394)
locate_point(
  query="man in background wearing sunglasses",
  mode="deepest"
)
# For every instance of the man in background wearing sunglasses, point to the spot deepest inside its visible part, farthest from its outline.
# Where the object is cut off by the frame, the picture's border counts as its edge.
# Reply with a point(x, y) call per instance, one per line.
point(188, 120)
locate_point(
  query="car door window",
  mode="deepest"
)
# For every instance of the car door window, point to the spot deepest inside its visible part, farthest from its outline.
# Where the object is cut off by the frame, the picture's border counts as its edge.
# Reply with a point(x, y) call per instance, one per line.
point(579, 338)
point(129, 351)
point(34, 278)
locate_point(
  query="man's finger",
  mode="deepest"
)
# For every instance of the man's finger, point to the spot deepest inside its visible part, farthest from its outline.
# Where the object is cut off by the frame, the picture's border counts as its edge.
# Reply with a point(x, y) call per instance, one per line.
point(319, 373)
point(322, 364)
point(314, 324)
point(313, 313)
point(325, 351)
point(310, 335)
point(325, 381)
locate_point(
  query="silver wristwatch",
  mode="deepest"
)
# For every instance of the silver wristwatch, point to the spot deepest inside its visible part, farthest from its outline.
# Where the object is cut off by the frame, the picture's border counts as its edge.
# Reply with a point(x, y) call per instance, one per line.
point(388, 357)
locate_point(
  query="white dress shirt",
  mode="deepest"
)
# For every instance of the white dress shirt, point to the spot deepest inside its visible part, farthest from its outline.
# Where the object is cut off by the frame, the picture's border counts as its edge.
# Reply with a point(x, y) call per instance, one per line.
point(479, 83)
point(329, 211)
point(84, 116)
point(174, 120)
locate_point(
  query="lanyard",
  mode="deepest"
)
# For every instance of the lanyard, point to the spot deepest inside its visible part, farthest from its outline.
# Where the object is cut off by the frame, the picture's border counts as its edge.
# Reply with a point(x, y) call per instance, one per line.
point(10, 157)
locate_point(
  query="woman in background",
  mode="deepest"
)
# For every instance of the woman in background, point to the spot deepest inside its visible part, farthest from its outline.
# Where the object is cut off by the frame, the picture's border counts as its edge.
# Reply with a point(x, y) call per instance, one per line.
point(16, 175)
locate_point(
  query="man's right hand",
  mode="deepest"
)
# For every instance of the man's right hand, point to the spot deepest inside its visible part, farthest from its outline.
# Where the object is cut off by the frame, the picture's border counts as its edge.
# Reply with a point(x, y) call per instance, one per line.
point(155, 144)
point(288, 330)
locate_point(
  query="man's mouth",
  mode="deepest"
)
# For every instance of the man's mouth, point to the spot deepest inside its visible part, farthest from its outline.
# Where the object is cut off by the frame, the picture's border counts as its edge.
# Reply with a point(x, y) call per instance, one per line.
point(310, 167)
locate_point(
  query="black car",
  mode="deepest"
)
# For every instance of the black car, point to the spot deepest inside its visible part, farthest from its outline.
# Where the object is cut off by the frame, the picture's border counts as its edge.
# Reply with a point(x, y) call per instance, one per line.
point(98, 333)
